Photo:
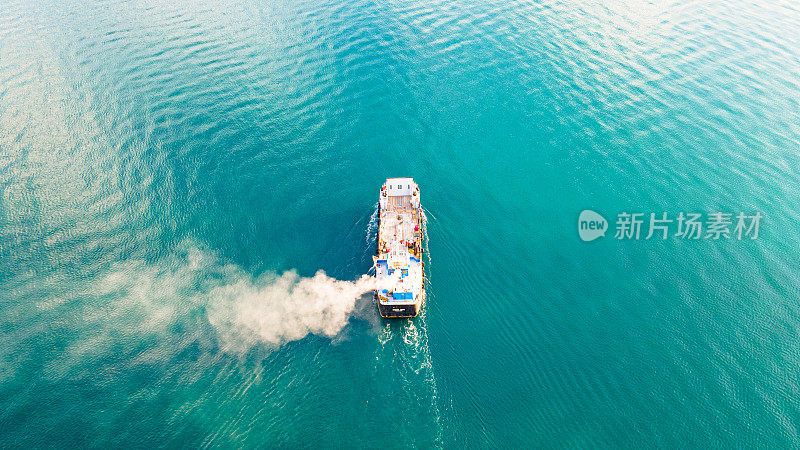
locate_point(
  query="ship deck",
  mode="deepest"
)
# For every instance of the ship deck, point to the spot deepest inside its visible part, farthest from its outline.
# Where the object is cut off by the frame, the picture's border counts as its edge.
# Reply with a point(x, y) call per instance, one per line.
point(399, 202)
point(400, 224)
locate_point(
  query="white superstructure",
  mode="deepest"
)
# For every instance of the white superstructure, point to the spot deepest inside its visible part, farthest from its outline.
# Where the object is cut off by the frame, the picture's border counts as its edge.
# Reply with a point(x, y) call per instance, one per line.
point(400, 247)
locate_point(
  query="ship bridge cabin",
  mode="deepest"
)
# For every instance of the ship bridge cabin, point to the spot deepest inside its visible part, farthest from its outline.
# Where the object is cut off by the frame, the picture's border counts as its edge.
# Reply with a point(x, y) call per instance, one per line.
point(399, 193)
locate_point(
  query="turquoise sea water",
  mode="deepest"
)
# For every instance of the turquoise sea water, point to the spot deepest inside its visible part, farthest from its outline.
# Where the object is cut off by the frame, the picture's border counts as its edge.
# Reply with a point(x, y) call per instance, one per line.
point(162, 162)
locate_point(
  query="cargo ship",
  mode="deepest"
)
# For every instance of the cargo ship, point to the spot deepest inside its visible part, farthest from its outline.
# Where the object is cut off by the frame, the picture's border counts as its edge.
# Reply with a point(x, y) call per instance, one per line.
point(398, 263)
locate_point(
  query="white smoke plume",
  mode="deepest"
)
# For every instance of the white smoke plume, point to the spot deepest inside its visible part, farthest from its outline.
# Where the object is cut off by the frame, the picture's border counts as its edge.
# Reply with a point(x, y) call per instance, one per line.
point(278, 309)
point(270, 310)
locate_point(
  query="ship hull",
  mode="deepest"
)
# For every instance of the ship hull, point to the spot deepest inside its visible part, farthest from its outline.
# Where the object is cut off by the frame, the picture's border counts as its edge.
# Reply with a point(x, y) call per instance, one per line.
point(389, 311)
point(400, 310)
point(398, 264)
